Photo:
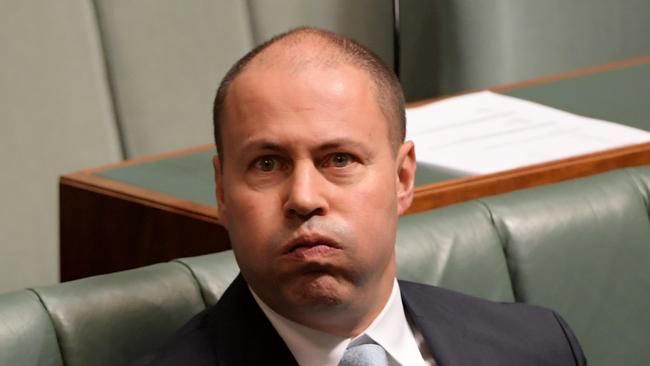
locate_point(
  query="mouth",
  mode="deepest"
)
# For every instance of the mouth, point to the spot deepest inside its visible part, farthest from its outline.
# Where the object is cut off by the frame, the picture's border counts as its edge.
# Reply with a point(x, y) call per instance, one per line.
point(311, 246)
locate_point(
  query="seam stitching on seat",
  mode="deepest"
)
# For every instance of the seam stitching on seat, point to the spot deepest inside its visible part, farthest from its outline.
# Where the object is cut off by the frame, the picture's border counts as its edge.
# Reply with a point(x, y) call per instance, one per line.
point(196, 280)
point(505, 248)
point(641, 188)
point(52, 323)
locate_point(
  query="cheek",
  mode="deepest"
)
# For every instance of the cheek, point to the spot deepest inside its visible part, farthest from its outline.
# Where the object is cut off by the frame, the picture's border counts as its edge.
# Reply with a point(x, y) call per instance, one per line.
point(246, 210)
point(373, 209)
point(251, 236)
point(377, 195)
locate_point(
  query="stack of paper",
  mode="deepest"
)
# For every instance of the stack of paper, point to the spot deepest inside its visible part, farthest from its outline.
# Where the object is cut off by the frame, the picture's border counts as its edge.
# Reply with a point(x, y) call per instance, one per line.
point(485, 132)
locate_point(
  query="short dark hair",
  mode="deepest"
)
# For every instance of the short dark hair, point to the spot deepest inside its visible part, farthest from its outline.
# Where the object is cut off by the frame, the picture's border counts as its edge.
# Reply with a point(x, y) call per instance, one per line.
point(388, 90)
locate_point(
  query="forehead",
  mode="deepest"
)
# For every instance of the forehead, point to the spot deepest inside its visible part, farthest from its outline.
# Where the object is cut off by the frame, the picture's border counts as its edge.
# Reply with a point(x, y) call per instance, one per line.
point(302, 101)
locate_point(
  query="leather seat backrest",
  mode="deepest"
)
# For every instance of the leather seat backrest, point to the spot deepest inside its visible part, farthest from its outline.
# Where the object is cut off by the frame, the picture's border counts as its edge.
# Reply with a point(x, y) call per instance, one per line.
point(213, 272)
point(166, 59)
point(368, 21)
point(456, 247)
point(27, 337)
point(480, 44)
point(115, 319)
point(583, 248)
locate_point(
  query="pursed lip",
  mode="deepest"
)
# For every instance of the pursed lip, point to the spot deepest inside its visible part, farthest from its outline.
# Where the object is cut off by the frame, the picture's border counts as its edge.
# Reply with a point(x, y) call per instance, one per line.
point(311, 242)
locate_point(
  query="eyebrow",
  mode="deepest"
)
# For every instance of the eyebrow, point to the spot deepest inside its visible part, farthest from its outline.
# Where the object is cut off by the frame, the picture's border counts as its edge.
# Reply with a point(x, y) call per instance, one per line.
point(268, 145)
point(341, 142)
point(264, 145)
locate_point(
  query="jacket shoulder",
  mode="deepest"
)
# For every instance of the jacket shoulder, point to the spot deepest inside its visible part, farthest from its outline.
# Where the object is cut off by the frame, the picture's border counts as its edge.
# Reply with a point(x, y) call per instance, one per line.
point(190, 345)
point(504, 332)
point(234, 331)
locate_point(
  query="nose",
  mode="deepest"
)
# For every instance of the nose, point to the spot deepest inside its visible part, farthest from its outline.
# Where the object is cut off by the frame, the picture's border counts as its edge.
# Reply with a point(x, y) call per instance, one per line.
point(305, 197)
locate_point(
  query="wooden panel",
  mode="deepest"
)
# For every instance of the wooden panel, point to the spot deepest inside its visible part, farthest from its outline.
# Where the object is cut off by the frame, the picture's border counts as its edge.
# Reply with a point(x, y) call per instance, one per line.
point(463, 189)
point(103, 231)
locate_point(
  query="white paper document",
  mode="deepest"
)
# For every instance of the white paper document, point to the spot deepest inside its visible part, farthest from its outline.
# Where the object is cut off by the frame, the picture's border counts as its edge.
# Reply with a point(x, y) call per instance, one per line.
point(485, 132)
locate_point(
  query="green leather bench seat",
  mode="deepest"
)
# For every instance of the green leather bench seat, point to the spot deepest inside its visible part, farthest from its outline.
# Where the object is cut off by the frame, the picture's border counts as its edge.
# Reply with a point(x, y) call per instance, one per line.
point(27, 336)
point(581, 247)
point(126, 311)
point(456, 248)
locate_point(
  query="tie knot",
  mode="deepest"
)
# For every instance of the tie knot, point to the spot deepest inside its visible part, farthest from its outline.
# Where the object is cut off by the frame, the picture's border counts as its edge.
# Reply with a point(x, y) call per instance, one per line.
point(364, 354)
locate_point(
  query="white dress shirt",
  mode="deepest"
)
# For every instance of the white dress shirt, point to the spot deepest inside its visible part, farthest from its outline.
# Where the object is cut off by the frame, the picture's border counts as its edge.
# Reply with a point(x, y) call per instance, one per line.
point(390, 329)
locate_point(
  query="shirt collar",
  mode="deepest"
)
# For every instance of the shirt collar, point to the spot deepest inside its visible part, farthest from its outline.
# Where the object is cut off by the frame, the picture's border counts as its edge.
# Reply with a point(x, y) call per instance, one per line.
point(390, 329)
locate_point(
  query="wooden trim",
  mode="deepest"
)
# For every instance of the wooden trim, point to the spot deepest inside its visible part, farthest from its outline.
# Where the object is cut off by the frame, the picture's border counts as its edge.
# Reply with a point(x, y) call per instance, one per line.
point(140, 195)
point(87, 179)
point(468, 188)
point(101, 234)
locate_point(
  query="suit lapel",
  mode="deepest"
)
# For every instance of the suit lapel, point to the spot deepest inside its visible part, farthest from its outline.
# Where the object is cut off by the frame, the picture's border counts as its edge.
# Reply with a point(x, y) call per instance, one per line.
point(243, 334)
point(441, 324)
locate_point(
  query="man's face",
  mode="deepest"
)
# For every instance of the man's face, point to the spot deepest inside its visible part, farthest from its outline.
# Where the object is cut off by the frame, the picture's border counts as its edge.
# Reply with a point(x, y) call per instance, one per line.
point(310, 189)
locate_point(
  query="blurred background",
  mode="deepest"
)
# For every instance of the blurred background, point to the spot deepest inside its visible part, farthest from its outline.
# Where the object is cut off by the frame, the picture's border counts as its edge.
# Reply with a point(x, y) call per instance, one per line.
point(85, 83)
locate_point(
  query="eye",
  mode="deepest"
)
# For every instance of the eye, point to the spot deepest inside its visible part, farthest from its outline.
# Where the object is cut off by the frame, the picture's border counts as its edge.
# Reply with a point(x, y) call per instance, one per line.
point(338, 160)
point(266, 163)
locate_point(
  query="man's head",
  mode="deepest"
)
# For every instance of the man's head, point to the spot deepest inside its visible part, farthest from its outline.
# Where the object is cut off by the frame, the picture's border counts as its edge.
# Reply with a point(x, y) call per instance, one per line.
point(312, 177)
point(336, 49)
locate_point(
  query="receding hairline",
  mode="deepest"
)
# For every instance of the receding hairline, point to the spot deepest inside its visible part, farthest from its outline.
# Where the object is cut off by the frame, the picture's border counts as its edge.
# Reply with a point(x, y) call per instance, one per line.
point(328, 50)
point(302, 49)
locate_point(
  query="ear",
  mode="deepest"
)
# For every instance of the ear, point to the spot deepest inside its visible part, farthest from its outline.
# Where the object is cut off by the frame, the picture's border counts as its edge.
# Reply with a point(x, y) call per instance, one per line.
point(405, 176)
point(218, 180)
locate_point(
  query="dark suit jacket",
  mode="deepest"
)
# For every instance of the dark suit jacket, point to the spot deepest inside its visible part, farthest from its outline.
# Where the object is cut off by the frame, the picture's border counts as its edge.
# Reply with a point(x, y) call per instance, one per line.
point(458, 330)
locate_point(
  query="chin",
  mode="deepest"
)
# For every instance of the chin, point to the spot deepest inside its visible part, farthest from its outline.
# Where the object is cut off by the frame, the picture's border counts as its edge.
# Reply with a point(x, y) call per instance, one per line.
point(318, 290)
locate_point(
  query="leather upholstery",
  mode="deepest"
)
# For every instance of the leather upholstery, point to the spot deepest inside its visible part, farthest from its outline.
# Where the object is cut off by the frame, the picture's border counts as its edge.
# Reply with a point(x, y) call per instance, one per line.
point(213, 273)
point(580, 247)
point(165, 60)
point(641, 177)
point(584, 250)
point(27, 337)
point(431, 249)
point(479, 44)
point(108, 320)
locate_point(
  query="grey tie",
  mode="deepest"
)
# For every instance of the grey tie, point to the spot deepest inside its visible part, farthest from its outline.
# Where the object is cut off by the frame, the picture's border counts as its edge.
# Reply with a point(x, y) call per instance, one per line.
point(365, 354)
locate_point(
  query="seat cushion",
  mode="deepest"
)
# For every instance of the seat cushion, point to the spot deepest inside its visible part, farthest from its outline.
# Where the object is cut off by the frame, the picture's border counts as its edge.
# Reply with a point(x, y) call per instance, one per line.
point(27, 337)
point(455, 247)
point(116, 318)
point(213, 272)
point(583, 247)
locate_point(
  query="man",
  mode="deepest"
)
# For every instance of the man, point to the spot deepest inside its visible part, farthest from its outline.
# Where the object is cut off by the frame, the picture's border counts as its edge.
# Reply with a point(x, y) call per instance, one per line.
point(312, 173)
